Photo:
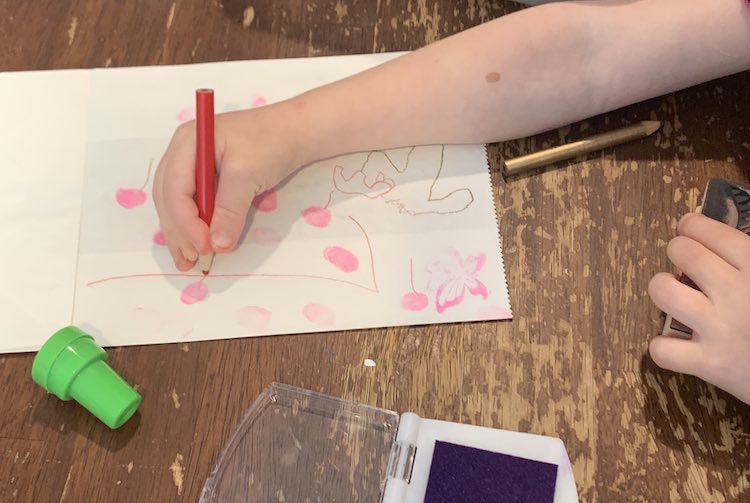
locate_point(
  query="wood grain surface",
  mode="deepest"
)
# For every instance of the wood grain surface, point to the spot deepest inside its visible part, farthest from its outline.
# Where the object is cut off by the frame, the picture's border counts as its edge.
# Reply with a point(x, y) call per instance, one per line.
point(581, 241)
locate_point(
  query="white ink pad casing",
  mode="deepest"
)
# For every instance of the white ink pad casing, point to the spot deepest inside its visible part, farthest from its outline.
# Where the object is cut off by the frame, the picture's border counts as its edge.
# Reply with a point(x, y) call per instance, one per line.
point(296, 445)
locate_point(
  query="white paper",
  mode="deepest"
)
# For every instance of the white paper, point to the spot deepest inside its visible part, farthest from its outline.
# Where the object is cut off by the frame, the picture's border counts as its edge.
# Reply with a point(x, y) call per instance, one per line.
point(42, 142)
point(377, 239)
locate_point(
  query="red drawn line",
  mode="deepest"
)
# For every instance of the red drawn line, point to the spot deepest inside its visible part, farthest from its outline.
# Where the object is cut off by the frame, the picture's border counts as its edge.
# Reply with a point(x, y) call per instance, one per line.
point(144, 275)
point(374, 288)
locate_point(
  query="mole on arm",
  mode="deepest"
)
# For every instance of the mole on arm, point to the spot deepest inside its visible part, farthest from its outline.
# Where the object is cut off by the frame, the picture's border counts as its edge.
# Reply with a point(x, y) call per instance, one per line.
point(492, 77)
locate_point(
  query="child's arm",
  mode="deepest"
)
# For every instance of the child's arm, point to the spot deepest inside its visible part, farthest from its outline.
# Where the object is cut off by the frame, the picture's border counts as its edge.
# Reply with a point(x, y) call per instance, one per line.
point(530, 71)
point(717, 258)
point(518, 75)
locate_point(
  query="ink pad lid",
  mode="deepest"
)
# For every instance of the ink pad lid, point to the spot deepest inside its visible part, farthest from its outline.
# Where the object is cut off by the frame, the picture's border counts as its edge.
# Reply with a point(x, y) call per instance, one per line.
point(297, 445)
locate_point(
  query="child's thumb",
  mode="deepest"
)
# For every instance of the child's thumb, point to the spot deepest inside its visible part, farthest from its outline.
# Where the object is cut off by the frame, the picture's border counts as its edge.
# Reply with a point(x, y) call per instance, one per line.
point(233, 198)
point(678, 355)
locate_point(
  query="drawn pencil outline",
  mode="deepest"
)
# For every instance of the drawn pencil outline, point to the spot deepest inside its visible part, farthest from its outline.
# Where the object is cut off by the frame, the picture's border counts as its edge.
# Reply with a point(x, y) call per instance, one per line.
point(148, 174)
point(413, 300)
point(403, 207)
point(382, 179)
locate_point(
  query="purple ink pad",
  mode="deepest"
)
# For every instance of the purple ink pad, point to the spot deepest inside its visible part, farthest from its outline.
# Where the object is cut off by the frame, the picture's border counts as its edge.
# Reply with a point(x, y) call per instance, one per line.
point(460, 474)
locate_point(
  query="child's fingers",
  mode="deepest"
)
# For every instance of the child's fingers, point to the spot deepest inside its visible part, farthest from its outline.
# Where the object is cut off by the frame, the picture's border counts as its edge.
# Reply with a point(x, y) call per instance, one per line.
point(178, 257)
point(175, 193)
point(710, 272)
point(729, 243)
point(183, 213)
point(684, 303)
point(678, 355)
point(183, 252)
point(234, 196)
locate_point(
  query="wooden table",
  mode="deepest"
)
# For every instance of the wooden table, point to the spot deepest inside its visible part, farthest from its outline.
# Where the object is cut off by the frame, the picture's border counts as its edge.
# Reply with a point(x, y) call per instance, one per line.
point(581, 243)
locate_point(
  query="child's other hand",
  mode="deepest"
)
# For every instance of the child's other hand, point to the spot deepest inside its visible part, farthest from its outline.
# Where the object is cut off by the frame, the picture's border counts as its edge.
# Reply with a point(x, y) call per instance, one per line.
point(717, 258)
point(253, 154)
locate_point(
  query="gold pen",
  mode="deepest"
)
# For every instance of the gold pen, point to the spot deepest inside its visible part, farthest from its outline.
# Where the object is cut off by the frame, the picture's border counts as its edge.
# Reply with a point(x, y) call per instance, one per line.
point(601, 141)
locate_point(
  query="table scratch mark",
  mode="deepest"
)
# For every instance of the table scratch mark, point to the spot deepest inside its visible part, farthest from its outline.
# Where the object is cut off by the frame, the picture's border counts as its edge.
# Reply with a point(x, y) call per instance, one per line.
point(248, 16)
point(170, 16)
point(65, 487)
point(72, 30)
point(177, 472)
point(175, 399)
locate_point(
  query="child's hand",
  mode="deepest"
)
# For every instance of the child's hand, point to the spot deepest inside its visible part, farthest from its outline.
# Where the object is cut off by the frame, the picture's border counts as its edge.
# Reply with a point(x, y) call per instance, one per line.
point(717, 258)
point(253, 154)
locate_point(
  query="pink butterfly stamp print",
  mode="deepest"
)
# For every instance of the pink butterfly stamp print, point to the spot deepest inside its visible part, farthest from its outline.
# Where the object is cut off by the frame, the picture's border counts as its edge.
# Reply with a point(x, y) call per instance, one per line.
point(452, 276)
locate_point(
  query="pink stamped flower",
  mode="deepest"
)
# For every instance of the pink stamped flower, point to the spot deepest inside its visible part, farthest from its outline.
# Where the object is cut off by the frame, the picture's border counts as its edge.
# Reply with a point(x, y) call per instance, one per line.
point(451, 276)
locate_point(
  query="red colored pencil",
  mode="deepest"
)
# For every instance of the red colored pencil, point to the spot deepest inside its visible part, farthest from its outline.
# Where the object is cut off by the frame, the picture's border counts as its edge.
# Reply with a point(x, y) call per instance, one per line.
point(205, 168)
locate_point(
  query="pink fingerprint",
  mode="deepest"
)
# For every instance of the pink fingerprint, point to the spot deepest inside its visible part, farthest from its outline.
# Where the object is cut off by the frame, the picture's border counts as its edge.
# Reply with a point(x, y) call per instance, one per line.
point(186, 114)
point(264, 236)
point(341, 258)
point(254, 318)
point(317, 216)
point(266, 201)
point(194, 292)
point(414, 301)
point(259, 102)
point(130, 198)
point(159, 238)
point(319, 314)
point(495, 313)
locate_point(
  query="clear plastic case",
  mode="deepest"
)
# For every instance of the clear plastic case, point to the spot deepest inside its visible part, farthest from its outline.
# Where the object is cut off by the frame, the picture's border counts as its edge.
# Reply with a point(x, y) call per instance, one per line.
point(295, 445)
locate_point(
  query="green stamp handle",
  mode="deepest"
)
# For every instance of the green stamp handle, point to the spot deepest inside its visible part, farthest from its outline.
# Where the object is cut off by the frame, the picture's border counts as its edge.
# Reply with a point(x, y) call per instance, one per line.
point(72, 365)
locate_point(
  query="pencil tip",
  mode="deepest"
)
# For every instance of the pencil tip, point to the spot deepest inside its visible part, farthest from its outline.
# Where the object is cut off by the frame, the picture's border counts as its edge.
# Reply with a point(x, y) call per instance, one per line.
point(651, 126)
point(205, 262)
